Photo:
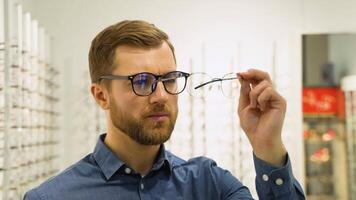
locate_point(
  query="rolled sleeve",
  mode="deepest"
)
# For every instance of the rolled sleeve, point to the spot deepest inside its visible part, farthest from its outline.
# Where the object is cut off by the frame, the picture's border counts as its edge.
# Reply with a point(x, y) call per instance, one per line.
point(276, 182)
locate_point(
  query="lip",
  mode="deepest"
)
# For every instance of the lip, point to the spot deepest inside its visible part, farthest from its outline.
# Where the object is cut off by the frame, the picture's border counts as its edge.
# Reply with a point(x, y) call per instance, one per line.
point(159, 116)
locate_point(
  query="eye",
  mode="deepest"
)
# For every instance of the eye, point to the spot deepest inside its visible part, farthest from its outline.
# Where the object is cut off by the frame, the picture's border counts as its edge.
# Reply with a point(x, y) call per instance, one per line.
point(143, 80)
point(172, 77)
point(140, 81)
point(170, 80)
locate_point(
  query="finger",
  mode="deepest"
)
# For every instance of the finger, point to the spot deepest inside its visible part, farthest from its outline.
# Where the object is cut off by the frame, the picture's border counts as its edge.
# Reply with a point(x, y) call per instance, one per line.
point(264, 98)
point(255, 76)
point(256, 91)
point(245, 89)
point(269, 98)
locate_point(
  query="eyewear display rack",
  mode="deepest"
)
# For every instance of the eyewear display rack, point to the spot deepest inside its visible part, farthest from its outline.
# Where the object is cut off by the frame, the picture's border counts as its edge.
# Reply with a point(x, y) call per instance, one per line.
point(348, 85)
point(197, 110)
point(324, 143)
point(28, 103)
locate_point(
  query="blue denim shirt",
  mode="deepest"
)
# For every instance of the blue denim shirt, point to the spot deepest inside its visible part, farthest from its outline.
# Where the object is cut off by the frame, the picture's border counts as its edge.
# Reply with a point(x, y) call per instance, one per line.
point(102, 175)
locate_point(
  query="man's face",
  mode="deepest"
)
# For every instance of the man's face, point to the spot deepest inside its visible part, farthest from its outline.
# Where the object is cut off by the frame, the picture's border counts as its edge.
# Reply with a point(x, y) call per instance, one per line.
point(148, 120)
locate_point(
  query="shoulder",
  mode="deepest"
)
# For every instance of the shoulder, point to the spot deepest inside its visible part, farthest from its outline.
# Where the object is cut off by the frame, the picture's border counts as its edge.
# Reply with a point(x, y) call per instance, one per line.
point(197, 166)
point(205, 173)
point(198, 163)
point(71, 179)
point(180, 162)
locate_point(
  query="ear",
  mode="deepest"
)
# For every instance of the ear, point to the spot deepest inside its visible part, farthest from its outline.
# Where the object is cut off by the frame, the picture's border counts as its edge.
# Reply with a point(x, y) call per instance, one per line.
point(100, 95)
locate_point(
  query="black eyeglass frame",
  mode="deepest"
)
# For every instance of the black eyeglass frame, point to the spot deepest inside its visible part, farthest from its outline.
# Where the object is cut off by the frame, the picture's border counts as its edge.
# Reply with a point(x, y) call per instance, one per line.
point(158, 78)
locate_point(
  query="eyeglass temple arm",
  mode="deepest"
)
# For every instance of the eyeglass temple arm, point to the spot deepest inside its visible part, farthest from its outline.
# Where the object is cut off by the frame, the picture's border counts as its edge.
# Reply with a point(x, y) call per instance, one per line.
point(206, 83)
point(226, 79)
point(112, 77)
point(214, 80)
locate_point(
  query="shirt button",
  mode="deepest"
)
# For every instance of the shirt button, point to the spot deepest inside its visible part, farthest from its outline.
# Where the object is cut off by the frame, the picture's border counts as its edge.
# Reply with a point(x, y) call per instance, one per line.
point(142, 186)
point(279, 181)
point(127, 170)
point(265, 177)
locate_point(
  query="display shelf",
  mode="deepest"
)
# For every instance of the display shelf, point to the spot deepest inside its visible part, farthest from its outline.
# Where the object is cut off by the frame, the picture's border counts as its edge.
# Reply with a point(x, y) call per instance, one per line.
point(29, 113)
point(348, 84)
point(324, 143)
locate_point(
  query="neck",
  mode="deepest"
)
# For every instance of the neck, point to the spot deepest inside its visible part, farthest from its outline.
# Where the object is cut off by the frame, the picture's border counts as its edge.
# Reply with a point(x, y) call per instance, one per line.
point(139, 157)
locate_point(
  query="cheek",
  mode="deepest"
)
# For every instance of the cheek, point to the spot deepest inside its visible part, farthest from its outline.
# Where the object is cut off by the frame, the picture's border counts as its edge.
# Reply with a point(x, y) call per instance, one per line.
point(133, 106)
point(123, 97)
point(122, 104)
point(174, 102)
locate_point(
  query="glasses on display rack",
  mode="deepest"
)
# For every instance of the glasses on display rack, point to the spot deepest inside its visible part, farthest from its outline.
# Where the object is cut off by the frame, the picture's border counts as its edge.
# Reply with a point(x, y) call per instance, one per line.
point(200, 83)
point(145, 83)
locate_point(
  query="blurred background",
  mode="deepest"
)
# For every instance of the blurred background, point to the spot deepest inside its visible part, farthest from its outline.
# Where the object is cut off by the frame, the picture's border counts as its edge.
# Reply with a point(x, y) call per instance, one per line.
point(48, 119)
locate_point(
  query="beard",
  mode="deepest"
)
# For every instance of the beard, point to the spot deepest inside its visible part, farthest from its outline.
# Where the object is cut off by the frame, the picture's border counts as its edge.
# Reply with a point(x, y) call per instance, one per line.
point(144, 130)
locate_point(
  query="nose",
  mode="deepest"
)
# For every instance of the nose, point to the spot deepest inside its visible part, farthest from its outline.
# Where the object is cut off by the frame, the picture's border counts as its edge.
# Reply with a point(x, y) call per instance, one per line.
point(160, 95)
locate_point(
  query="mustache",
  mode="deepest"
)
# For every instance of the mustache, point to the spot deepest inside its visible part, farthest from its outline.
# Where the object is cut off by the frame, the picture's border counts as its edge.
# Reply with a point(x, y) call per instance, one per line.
point(157, 108)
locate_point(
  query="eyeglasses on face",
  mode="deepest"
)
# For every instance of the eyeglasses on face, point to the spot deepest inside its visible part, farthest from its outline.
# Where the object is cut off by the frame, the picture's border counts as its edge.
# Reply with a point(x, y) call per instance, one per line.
point(145, 83)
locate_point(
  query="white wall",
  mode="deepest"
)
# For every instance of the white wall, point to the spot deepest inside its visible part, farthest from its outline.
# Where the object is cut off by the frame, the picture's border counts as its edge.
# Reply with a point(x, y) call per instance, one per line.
point(221, 25)
point(333, 17)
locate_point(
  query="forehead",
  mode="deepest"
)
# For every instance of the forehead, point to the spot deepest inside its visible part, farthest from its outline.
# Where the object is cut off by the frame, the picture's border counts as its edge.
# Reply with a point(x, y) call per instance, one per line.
point(131, 60)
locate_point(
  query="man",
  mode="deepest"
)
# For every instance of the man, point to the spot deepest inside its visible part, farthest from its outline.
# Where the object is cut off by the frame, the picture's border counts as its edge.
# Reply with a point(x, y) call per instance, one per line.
point(135, 80)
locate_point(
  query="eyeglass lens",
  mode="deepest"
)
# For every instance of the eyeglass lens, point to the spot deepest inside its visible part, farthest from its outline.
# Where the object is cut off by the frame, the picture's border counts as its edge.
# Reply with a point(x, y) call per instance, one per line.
point(146, 83)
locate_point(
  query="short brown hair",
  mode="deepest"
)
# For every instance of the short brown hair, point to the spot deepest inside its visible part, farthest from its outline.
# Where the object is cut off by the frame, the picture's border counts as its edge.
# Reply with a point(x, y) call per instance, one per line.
point(135, 33)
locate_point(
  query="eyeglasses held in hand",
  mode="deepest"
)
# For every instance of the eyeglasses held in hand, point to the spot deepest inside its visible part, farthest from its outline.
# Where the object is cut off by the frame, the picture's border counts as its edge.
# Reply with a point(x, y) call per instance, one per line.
point(145, 83)
point(200, 83)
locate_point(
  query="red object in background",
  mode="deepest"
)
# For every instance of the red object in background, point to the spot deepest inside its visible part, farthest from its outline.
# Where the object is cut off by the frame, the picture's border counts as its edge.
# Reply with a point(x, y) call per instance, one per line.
point(329, 135)
point(320, 155)
point(306, 134)
point(323, 101)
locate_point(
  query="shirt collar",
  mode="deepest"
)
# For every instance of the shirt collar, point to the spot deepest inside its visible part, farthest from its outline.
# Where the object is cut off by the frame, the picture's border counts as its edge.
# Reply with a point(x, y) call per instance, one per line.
point(163, 159)
point(109, 163)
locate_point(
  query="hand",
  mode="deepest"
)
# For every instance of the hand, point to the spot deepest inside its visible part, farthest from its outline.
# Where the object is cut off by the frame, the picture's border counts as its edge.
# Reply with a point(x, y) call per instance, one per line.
point(261, 110)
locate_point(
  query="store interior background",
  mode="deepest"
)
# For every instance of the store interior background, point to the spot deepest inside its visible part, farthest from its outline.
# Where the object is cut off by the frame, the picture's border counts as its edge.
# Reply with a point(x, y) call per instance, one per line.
point(222, 36)
point(328, 142)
